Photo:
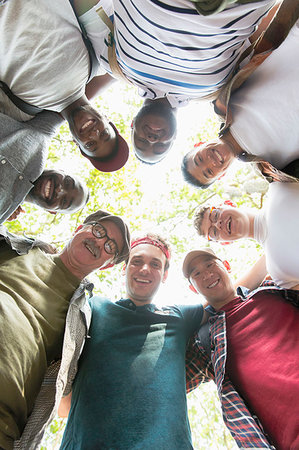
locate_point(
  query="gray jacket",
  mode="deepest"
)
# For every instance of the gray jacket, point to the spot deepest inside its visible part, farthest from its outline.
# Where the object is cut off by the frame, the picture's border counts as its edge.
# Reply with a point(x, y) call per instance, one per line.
point(60, 374)
point(23, 154)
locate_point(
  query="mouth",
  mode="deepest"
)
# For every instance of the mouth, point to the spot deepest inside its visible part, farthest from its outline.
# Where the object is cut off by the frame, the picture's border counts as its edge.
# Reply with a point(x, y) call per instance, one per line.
point(87, 126)
point(142, 280)
point(229, 225)
point(92, 248)
point(48, 190)
point(218, 158)
point(213, 284)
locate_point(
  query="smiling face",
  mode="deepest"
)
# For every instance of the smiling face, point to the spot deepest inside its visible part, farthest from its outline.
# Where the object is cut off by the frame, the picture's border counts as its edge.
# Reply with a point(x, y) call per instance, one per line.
point(209, 277)
point(153, 131)
point(85, 253)
point(207, 162)
point(145, 272)
point(92, 132)
point(56, 191)
point(226, 224)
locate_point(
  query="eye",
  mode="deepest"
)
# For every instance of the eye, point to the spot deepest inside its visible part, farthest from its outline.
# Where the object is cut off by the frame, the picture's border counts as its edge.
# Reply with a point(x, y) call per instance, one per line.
point(104, 133)
point(156, 265)
point(89, 145)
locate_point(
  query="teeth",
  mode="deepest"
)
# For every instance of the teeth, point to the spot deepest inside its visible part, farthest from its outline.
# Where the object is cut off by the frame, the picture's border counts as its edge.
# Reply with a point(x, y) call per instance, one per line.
point(47, 189)
point(218, 156)
point(142, 281)
point(213, 284)
point(86, 125)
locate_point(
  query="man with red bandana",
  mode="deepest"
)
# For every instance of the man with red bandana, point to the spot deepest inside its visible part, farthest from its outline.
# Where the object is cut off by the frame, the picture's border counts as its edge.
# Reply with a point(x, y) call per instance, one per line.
point(250, 349)
point(129, 391)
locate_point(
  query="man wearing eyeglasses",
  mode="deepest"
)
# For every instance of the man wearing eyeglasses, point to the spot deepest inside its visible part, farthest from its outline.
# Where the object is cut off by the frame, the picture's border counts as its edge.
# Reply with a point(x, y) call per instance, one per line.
point(44, 319)
point(130, 388)
point(275, 228)
point(250, 349)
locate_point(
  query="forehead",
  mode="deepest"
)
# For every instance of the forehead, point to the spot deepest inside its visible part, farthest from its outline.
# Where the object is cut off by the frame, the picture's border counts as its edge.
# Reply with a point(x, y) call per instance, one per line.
point(147, 251)
point(113, 230)
point(198, 262)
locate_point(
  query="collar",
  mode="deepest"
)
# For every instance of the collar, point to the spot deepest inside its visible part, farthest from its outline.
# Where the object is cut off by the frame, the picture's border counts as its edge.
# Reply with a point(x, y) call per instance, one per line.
point(127, 303)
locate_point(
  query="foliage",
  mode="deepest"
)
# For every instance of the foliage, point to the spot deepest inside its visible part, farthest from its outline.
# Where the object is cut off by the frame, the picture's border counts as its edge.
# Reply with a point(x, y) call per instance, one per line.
point(157, 199)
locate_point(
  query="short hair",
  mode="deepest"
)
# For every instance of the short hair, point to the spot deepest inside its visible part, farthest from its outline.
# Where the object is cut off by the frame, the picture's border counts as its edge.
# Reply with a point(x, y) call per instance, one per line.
point(198, 218)
point(158, 238)
point(190, 178)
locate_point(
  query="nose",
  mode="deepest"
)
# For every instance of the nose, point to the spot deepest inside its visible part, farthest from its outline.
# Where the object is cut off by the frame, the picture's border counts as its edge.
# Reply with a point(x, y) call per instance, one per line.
point(145, 268)
point(206, 274)
point(218, 224)
point(151, 136)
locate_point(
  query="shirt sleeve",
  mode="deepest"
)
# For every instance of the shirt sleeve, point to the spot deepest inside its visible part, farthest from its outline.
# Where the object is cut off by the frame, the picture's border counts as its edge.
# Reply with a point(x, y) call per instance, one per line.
point(46, 122)
point(97, 31)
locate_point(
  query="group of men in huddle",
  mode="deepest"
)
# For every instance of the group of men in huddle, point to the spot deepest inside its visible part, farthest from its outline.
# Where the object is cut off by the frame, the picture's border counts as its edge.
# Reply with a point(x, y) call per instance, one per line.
point(120, 370)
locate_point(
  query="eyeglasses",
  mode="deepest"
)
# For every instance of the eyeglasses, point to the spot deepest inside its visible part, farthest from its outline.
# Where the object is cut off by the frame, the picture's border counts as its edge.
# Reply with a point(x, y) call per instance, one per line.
point(100, 232)
point(213, 232)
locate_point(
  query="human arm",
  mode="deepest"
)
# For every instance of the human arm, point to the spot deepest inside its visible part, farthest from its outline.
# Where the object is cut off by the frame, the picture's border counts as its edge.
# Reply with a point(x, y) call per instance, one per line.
point(254, 277)
point(82, 6)
point(65, 406)
point(98, 84)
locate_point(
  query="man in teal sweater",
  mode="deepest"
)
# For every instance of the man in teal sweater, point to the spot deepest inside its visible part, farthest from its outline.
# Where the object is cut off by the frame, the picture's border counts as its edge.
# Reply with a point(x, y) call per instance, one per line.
point(130, 392)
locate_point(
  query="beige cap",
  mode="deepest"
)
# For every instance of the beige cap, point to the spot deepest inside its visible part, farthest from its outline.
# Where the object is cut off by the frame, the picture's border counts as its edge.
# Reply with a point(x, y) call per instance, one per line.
point(194, 254)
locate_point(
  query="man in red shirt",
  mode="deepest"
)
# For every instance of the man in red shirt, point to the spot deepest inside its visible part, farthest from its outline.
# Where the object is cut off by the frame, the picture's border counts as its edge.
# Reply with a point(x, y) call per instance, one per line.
point(254, 343)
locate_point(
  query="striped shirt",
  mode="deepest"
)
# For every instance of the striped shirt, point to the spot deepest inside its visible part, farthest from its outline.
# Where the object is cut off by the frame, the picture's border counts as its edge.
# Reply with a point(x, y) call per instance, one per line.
point(167, 49)
point(244, 427)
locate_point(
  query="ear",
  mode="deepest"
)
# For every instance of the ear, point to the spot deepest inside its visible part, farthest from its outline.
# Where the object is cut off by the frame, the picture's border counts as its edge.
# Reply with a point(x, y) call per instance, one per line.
point(227, 266)
point(52, 212)
point(192, 288)
point(108, 266)
point(78, 228)
point(165, 276)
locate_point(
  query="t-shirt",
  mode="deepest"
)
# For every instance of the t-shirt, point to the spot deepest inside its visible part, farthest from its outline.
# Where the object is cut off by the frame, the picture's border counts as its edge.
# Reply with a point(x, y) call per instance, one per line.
point(277, 230)
point(262, 362)
point(265, 109)
point(35, 290)
point(130, 391)
point(43, 58)
point(168, 49)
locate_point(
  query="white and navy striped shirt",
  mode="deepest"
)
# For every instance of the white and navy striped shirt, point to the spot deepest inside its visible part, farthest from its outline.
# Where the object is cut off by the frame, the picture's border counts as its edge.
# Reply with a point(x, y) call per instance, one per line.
point(167, 49)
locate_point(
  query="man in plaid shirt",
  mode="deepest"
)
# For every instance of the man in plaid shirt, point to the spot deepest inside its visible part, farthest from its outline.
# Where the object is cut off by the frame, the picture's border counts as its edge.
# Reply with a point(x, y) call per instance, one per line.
point(250, 353)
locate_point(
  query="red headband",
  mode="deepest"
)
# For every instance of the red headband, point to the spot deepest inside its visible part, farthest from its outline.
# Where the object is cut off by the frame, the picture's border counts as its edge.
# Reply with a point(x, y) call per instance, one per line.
point(147, 240)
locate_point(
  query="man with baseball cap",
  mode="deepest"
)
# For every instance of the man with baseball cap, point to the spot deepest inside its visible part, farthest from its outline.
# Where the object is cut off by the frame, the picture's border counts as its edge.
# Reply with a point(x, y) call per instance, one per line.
point(44, 315)
point(130, 388)
point(250, 350)
point(48, 68)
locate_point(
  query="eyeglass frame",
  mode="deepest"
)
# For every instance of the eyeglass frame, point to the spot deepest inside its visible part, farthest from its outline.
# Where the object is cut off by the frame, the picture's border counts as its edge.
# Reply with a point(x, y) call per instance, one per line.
point(212, 221)
point(93, 225)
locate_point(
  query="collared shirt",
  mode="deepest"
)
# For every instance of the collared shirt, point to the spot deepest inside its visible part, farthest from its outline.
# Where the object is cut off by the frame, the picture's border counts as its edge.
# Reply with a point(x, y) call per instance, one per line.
point(60, 374)
point(244, 427)
point(168, 49)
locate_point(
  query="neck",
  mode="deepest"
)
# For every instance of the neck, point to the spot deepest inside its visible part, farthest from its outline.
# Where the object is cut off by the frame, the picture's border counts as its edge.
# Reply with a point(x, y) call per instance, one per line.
point(218, 304)
point(233, 144)
point(140, 302)
point(77, 271)
point(161, 101)
point(82, 101)
point(251, 218)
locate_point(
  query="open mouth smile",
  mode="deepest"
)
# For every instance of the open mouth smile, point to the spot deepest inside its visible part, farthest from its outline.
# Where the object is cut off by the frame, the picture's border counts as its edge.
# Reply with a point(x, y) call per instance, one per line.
point(142, 280)
point(213, 284)
point(87, 126)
